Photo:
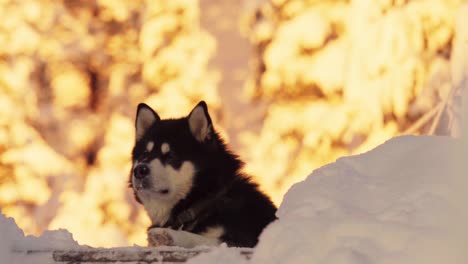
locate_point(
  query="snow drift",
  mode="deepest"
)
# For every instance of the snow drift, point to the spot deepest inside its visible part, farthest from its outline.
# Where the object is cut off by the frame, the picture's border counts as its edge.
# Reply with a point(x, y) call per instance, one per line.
point(14, 245)
point(399, 203)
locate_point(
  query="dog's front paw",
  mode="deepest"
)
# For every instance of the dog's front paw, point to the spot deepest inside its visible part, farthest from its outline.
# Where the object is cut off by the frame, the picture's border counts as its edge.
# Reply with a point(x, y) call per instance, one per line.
point(159, 237)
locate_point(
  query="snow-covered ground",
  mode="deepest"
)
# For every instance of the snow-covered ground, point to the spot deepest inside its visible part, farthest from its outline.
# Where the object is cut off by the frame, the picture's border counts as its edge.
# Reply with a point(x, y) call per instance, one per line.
point(403, 202)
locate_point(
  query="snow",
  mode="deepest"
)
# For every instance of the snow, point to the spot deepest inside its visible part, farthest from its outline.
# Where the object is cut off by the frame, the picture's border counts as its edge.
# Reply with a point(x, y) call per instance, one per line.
point(399, 203)
point(9, 232)
point(14, 246)
point(222, 254)
point(59, 245)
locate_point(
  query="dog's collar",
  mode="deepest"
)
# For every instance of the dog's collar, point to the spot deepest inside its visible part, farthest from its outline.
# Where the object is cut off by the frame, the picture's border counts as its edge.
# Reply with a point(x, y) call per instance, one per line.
point(187, 219)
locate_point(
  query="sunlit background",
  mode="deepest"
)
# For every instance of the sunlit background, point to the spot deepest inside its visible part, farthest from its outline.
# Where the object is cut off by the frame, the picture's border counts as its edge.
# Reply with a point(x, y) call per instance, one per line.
point(291, 85)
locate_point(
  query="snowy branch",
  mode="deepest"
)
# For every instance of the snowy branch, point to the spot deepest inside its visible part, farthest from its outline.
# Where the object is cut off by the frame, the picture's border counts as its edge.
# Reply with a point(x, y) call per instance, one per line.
point(119, 255)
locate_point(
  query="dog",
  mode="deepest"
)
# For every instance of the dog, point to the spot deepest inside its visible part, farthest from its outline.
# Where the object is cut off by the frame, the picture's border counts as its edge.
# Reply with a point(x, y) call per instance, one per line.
point(191, 184)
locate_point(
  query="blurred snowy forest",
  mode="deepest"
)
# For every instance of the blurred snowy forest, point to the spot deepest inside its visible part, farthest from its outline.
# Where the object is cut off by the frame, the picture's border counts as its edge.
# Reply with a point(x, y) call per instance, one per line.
point(291, 84)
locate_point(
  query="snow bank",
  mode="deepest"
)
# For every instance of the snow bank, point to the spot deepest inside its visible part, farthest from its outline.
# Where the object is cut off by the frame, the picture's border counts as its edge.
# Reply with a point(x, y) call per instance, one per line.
point(9, 233)
point(14, 246)
point(399, 203)
point(222, 254)
point(394, 204)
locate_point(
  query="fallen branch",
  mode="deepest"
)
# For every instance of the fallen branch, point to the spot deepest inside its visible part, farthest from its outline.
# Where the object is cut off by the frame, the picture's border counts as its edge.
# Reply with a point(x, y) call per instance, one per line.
point(125, 254)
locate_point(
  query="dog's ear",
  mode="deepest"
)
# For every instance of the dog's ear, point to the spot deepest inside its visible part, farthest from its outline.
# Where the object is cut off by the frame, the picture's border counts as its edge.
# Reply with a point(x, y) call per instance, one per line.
point(200, 122)
point(145, 117)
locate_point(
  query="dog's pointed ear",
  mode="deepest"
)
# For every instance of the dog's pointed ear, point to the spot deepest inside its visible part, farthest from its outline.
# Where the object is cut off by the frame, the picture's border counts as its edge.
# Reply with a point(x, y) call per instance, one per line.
point(145, 118)
point(200, 122)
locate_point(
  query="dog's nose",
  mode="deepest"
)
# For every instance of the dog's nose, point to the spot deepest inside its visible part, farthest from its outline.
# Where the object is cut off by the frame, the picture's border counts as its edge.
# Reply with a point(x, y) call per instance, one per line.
point(141, 171)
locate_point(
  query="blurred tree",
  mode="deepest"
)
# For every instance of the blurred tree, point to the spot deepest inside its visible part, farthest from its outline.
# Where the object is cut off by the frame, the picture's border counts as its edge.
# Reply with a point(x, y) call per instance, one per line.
point(341, 77)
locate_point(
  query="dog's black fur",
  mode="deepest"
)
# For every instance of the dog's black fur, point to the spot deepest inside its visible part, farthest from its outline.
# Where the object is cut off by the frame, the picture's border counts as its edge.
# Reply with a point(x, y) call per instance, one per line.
point(243, 210)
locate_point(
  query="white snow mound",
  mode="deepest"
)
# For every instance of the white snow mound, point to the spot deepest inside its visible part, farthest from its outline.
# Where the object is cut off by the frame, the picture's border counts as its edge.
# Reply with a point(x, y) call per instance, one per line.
point(395, 204)
point(14, 246)
point(399, 203)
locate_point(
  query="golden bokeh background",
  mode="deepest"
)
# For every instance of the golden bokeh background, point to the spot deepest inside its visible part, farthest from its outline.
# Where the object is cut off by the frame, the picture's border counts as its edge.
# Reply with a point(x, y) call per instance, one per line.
point(291, 84)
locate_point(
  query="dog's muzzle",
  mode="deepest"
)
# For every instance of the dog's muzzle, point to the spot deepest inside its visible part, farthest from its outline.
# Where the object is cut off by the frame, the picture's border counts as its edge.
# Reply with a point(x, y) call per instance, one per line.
point(143, 181)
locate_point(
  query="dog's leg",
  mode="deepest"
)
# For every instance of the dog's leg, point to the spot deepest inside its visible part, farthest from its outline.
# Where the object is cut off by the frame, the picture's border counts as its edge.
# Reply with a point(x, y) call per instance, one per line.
point(169, 237)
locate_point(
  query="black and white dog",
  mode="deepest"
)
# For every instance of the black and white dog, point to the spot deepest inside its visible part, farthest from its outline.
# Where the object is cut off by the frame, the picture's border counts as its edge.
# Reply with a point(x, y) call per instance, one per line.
point(191, 185)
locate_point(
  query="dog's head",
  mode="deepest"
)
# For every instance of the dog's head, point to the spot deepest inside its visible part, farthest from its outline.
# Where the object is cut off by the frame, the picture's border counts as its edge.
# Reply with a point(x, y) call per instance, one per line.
point(168, 154)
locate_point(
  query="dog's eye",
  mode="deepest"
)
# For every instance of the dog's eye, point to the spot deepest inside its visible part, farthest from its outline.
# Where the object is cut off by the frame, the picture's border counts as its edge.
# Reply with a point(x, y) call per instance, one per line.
point(172, 159)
